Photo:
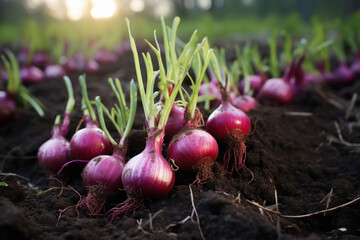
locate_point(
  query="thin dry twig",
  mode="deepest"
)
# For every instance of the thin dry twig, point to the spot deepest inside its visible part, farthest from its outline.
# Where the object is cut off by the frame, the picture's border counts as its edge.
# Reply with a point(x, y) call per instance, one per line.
point(327, 198)
point(61, 211)
point(140, 227)
point(299, 114)
point(53, 189)
point(236, 200)
point(194, 211)
point(341, 139)
point(304, 215)
point(278, 228)
point(351, 106)
point(151, 217)
point(15, 175)
point(332, 99)
point(178, 223)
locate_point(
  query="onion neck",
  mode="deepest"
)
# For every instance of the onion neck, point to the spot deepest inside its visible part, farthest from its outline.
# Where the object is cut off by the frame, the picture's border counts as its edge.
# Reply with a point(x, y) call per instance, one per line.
point(119, 153)
point(89, 122)
point(55, 131)
point(155, 140)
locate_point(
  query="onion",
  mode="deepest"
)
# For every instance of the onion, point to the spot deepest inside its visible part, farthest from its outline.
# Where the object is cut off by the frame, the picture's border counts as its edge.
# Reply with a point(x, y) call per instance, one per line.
point(245, 103)
point(229, 125)
point(40, 60)
point(103, 56)
point(276, 91)
point(342, 76)
point(355, 67)
point(175, 122)
point(31, 74)
point(105, 170)
point(212, 89)
point(92, 66)
point(54, 71)
point(68, 64)
point(7, 107)
point(89, 142)
point(148, 174)
point(256, 82)
point(102, 177)
point(14, 90)
point(313, 80)
point(194, 150)
point(54, 153)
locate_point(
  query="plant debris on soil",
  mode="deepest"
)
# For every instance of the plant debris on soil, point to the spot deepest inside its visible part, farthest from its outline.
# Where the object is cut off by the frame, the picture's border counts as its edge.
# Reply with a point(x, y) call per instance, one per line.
point(305, 158)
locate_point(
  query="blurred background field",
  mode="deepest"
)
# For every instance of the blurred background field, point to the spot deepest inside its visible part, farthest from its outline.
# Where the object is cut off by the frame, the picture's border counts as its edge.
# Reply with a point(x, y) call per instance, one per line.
point(23, 20)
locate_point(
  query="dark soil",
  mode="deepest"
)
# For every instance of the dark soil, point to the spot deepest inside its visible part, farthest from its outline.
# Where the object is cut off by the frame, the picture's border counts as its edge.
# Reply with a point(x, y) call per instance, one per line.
point(297, 158)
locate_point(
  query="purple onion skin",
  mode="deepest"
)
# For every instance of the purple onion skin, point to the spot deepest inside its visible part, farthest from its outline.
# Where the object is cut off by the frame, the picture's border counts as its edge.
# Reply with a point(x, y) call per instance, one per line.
point(192, 148)
point(7, 107)
point(102, 56)
point(355, 67)
point(148, 175)
point(54, 71)
point(105, 170)
point(68, 64)
point(212, 89)
point(54, 153)
point(40, 60)
point(342, 76)
point(256, 83)
point(31, 74)
point(276, 91)
point(22, 56)
point(92, 66)
point(245, 103)
point(226, 120)
point(89, 142)
point(313, 80)
point(122, 48)
point(175, 122)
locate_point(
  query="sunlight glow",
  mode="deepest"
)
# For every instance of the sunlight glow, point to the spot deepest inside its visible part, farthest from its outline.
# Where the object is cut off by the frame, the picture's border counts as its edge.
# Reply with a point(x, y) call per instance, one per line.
point(163, 8)
point(54, 7)
point(33, 4)
point(103, 8)
point(76, 9)
point(205, 4)
point(137, 5)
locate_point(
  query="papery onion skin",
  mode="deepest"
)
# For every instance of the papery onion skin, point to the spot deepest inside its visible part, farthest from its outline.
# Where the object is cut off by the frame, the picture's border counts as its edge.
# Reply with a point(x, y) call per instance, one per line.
point(31, 74)
point(211, 88)
point(256, 83)
point(245, 103)
point(276, 91)
point(355, 67)
point(89, 142)
point(104, 170)
point(191, 148)
point(7, 107)
point(148, 175)
point(175, 122)
point(342, 76)
point(225, 119)
point(102, 56)
point(54, 71)
point(53, 154)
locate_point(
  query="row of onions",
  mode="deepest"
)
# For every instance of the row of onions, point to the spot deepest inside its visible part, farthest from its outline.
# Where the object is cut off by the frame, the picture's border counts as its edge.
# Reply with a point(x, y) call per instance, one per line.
point(51, 50)
point(149, 174)
point(172, 116)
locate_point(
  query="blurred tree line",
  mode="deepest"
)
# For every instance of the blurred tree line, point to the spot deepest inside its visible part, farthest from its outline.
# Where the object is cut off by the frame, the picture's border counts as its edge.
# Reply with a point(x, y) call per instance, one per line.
point(325, 9)
point(12, 10)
